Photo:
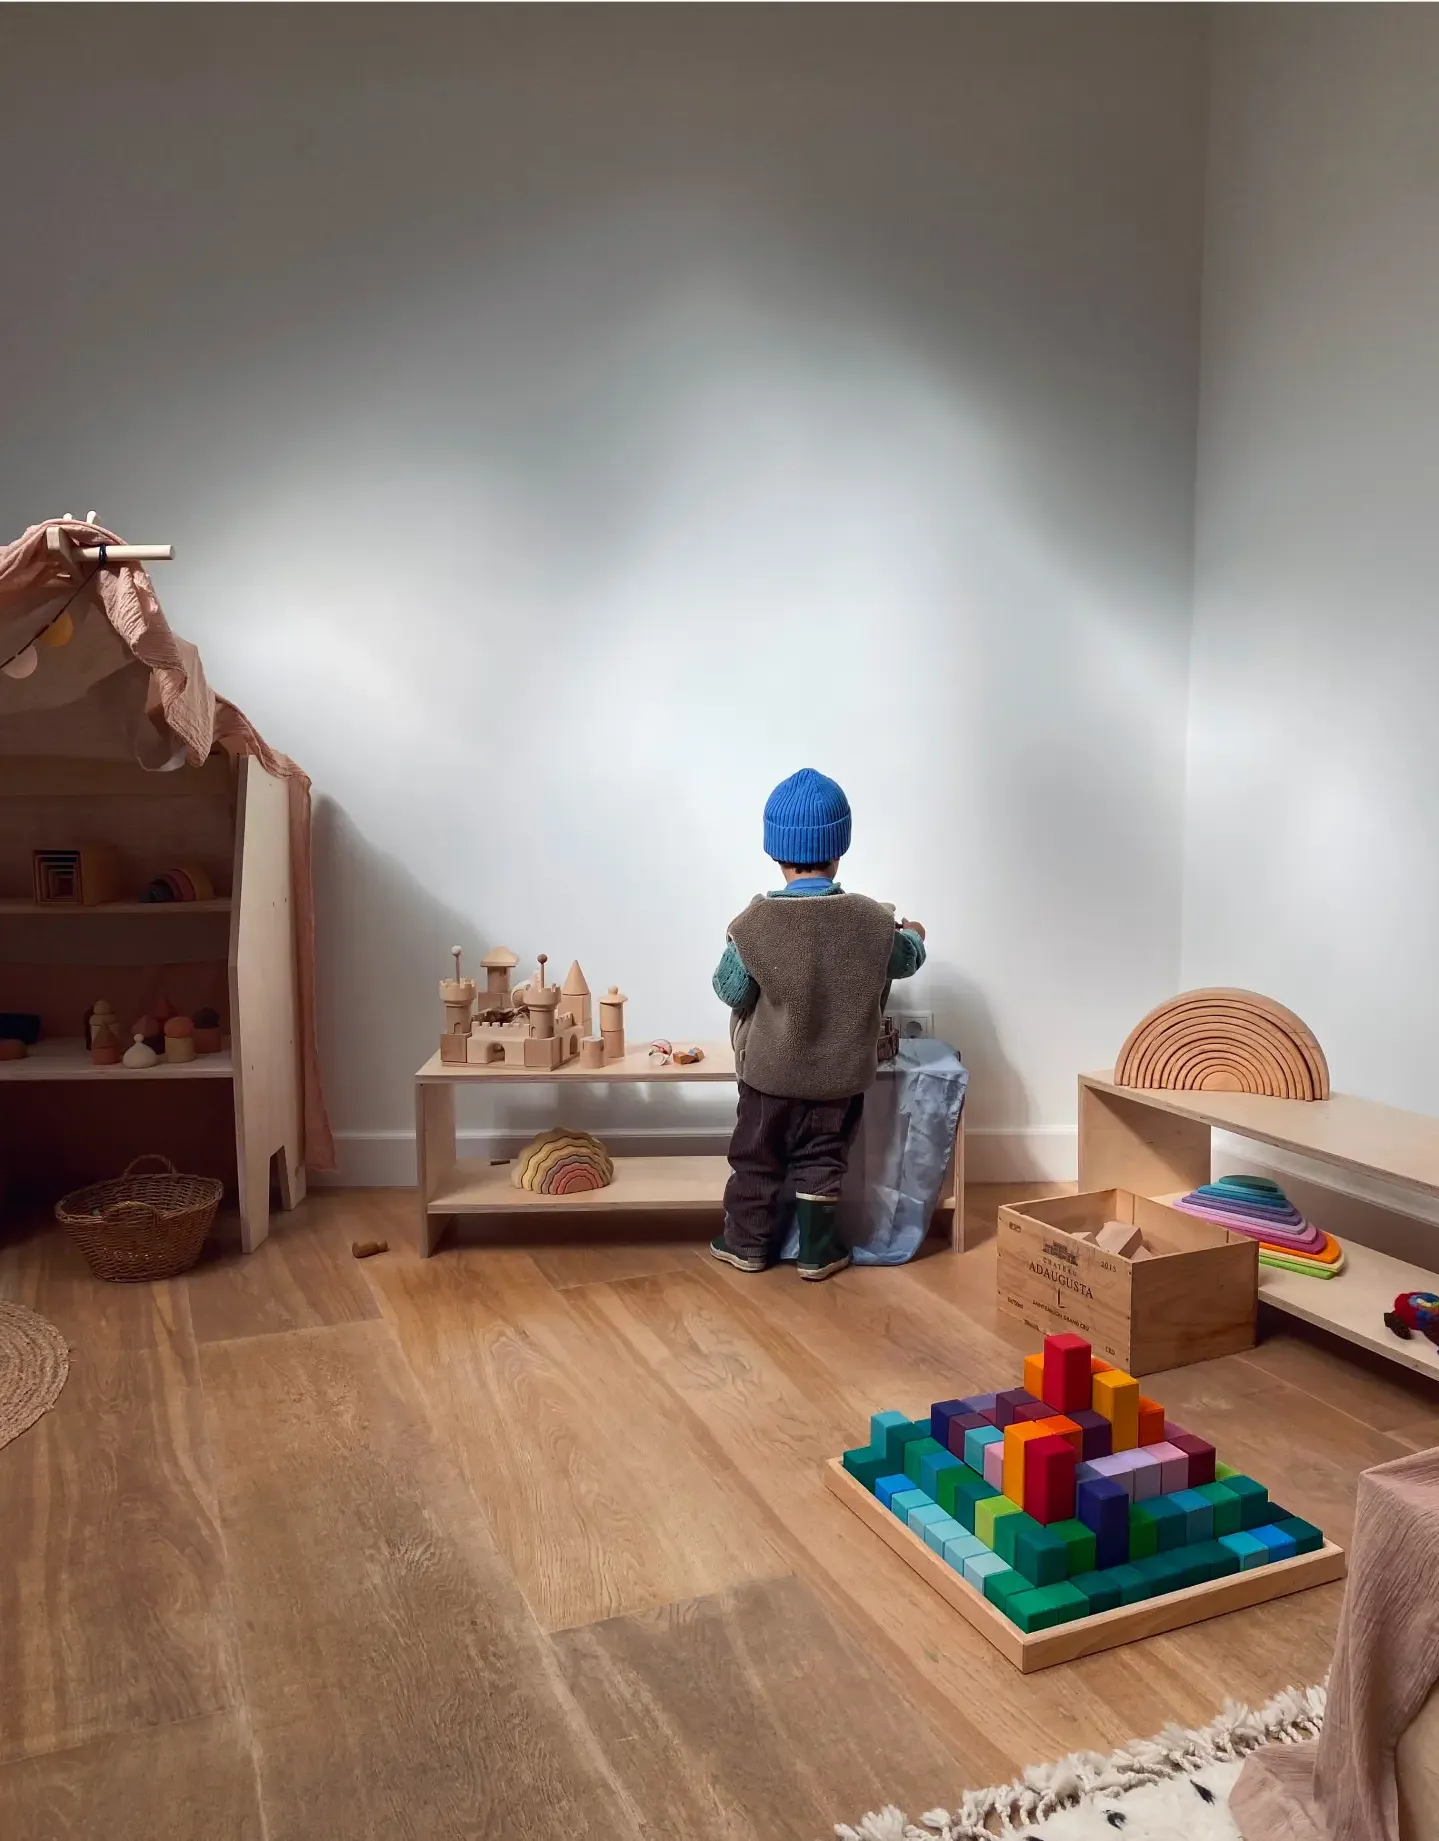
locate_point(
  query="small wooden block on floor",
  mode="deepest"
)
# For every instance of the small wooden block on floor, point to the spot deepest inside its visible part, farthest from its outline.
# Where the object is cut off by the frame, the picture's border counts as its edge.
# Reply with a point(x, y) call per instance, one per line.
point(1086, 1636)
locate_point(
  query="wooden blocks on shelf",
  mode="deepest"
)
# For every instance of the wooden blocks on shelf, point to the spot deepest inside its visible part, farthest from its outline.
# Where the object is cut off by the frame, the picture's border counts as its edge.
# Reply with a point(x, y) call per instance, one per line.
point(1224, 1041)
point(87, 877)
point(1069, 1558)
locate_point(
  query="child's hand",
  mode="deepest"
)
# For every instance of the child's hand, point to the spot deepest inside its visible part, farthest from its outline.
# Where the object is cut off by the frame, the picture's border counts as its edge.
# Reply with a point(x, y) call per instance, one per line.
point(911, 926)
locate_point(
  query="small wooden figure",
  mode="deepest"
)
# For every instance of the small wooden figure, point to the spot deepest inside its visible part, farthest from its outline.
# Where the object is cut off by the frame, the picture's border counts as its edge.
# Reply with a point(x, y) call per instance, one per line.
point(367, 1249)
point(592, 1052)
point(179, 1039)
point(140, 1054)
point(12, 1049)
point(498, 964)
point(612, 1023)
point(105, 1045)
point(575, 999)
point(457, 994)
point(101, 1016)
point(208, 1039)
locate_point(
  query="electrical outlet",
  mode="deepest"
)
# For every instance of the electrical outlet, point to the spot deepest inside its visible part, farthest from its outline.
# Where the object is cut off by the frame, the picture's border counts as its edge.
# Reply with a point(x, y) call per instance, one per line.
point(912, 1022)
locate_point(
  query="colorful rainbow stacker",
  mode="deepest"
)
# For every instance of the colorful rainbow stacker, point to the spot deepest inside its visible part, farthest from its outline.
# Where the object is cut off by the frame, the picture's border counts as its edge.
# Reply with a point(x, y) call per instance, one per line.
point(1069, 1515)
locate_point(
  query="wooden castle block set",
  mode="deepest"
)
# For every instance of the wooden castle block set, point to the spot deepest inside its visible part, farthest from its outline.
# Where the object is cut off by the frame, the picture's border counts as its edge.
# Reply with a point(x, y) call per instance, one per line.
point(1075, 1519)
point(534, 1025)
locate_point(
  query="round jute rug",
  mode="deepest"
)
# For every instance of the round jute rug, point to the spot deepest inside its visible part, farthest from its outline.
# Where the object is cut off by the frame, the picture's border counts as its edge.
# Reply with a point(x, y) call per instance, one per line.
point(34, 1361)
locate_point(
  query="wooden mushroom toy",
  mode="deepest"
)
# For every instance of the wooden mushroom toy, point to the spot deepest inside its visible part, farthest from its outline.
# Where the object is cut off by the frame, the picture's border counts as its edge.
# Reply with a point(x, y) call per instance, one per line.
point(140, 1054)
point(207, 1038)
point(179, 1039)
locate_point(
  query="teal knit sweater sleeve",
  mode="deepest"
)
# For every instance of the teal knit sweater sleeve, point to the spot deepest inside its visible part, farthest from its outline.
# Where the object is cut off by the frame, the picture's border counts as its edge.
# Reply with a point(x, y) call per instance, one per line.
point(906, 955)
point(732, 982)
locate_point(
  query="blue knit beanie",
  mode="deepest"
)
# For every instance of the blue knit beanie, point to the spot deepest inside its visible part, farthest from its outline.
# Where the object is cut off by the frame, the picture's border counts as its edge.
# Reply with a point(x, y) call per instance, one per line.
point(806, 819)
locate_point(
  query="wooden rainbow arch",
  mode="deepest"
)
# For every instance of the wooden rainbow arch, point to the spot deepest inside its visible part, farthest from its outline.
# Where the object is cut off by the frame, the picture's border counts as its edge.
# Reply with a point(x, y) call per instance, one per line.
point(1224, 1041)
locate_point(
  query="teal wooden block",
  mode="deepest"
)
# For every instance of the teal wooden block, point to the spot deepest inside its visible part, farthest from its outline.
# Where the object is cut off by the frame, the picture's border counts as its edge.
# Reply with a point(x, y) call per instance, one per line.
point(960, 1491)
point(937, 1532)
point(898, 1437)
point(1006, 1533)
point(915, 1452)
point(880, 1425)
point(961, 1548)
point(1198, 1515)
point(1246, 1549)
point(1079, 1544)
point(1046, 1606)
point(1305, 1536)
point(1000, 1588)
point(1101, 1589)
point(1253, 1499)
point(906, 1499)
point(923, 1513)
point(974, 1442)
point(931, 1466)
point(1212, 1560)
point(866, 1466)
point(1039, 1553)
point(1132, 1583)
point(1169, 1521)
point(1225, 1505)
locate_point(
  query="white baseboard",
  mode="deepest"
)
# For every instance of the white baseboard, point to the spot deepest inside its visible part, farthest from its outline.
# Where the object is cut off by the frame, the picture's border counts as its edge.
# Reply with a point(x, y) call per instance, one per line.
point(993, 1154)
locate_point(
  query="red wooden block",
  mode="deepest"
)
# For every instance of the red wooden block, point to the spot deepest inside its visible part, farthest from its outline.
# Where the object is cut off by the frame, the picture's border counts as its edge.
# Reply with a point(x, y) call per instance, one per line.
point(1066, 1373)
point(1049, 1478)
point(1199, 1452)
point(1067, 1429)
point(1151, 1422)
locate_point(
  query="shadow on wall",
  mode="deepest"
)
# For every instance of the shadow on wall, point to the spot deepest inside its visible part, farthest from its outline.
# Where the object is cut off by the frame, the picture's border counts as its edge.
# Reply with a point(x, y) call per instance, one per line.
point(383, 944)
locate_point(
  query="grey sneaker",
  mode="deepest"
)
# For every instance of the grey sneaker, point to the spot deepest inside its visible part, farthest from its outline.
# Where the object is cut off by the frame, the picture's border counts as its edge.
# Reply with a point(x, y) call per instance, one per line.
point(742, 1262)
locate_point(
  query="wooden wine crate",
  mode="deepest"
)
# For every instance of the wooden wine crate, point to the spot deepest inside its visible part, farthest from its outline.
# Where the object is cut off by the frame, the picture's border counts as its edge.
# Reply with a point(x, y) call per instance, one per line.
point(1196, 1299)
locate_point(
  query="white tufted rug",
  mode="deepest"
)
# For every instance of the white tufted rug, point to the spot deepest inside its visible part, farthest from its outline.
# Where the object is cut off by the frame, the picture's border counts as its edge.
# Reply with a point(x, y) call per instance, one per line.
point(1174, 1787)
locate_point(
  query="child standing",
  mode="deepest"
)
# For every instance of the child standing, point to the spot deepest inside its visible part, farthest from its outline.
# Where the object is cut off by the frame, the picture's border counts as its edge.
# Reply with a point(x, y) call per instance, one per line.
point(806, 972)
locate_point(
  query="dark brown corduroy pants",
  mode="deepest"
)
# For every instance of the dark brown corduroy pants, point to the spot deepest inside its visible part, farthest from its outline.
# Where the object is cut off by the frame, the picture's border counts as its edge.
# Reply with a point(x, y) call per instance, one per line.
point(805, 1140)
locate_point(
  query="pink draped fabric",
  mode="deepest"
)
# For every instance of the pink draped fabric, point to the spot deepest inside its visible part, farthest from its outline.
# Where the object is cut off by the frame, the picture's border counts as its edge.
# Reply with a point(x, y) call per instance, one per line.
point(182, 702)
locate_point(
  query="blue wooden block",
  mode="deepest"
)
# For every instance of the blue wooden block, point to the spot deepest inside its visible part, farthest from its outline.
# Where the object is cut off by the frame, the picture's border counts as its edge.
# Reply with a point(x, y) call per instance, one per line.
point(944, 1423)
point(936, 1533)
point(903, 1500)
point(980, 1403)
point(1248, 1550)
point(930, 1467)
point(974, 1443)
point(886, 1488)
point(1103, 1506)
point(978, 1568)
point(1198, 1515)
point(961, 1548)
point(1280, 1546)
point(923, 1513)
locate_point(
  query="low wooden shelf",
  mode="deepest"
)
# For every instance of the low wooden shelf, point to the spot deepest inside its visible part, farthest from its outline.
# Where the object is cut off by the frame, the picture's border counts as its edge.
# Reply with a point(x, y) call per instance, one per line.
point(1157, 1143)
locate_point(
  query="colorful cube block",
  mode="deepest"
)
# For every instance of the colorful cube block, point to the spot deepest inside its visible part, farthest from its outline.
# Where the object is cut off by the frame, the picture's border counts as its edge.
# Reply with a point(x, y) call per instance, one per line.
point(1146, 1473)
point(1031, 1413)
point(959, 1491)
point(1253, 1499)
point(939, 1532)
point(930, 1467)
point(866, 1465)
point(975, 1442)
point(1060, 1425)
point(896, 1436)
point(1046, 1606)
point(1173, 1466)
point(1103, 1507)
point(880, 1425)
point(1281, 1545)
point(1066, 1381)
point(1171, 1524)
point(906, 1499)
point(886, 1488)
point(1034, 1375)
point(978, 1568)
point(1223, 1472)
point(994, 1464)
point(1006, 1533)
point(1040, 1554)
point(940, 1416)
point(1226, 1507)
point(1116, 1395)
point(1198, 1515)
point(915, 1452)
point(1246, 1549)
point(1305, 1536)
point(1199, 1451)
point(962, 1547)
point(1151, 1421)
point(1101, 1589)
point(1212, 1560)
point(923, 1513)
point(1143, 1535)
point(1081, 1546)
point(1048, 1477)
point(992, 1510)
point(1097, 1433)
point(1005, 1403)
point(1017, 1434)
point(1131, 1583)
point(1001, 1587)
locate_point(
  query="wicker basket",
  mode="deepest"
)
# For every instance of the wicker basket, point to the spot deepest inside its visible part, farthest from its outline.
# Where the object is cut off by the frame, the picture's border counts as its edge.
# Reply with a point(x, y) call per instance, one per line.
point(138, 1227)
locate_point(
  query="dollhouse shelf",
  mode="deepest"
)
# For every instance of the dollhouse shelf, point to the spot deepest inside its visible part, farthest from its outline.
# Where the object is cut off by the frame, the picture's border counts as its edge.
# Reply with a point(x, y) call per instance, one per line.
point(49, 909)
point(70, 1060)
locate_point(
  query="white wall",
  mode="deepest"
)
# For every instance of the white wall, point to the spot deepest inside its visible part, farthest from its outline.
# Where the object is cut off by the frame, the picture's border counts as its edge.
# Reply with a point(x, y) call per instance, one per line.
point(573, 421)
point(1312, 861)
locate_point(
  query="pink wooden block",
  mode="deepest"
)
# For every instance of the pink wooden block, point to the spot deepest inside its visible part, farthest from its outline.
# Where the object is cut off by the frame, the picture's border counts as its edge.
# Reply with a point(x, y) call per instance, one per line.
point(1173, 1467)
point(1146, 1473)
point(994, 1464)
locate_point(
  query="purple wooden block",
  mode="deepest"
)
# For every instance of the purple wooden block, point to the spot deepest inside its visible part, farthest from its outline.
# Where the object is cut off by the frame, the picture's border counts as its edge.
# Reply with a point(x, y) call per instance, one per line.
point(1098, 1432)
point(940, 1415)
point(980, 1403)
point(1147, 1472)
point(1173, 1467)
point(1005, 1403)
point(1032, 1410)
point(1103, 1506)
point(1116, 1469)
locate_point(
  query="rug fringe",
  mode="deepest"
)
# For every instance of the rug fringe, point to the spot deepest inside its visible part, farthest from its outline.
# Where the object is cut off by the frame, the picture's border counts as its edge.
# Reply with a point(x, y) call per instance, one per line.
point(1293, 1716)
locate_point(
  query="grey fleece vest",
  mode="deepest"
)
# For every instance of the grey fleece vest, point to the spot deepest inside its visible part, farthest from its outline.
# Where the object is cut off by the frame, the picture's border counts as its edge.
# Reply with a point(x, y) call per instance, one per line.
point(822, 964)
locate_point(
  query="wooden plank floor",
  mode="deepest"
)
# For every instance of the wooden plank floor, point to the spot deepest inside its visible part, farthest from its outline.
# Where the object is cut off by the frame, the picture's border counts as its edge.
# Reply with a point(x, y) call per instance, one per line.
point(535, 1542)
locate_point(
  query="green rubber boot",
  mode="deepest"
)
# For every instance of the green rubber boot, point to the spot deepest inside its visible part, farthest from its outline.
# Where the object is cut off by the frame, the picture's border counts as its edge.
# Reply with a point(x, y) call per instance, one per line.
point(821, 1251)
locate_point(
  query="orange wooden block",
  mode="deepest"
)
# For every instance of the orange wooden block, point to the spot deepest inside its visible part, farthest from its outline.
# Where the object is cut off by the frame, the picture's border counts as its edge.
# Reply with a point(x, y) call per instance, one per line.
point(1016, 1437)
point(1151, 1422)
point(1061, 1426)
point(1034, 1375)
point(1098, 1365)
point(1116, 1395)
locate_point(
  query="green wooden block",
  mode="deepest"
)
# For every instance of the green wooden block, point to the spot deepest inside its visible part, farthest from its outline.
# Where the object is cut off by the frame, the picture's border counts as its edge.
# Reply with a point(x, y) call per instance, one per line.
point(897, 1435)
point(1101, 1589)
point(915, 1452)
point(1306, 1537)
point(991, 1511)
point(1040, 1554)
point(866, 1466)
point(1006, 1534)
point(1198, 1515)
point(1171, 1524)
point(1143, 1533)
point(1223, 1472)
point(1212, 1560)
point(960, 1491)
point(1046, 1606)
point(1132, 1583)
point(1001, 1587)
point(1079, 1541)
point(1253, 1500)
point(1166, 1572)
point(1274, 1515)
point(1226, 1507)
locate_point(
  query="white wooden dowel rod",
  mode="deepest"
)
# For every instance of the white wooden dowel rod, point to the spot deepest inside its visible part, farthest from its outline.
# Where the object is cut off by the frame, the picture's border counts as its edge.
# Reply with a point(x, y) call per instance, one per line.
point(129, 552)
